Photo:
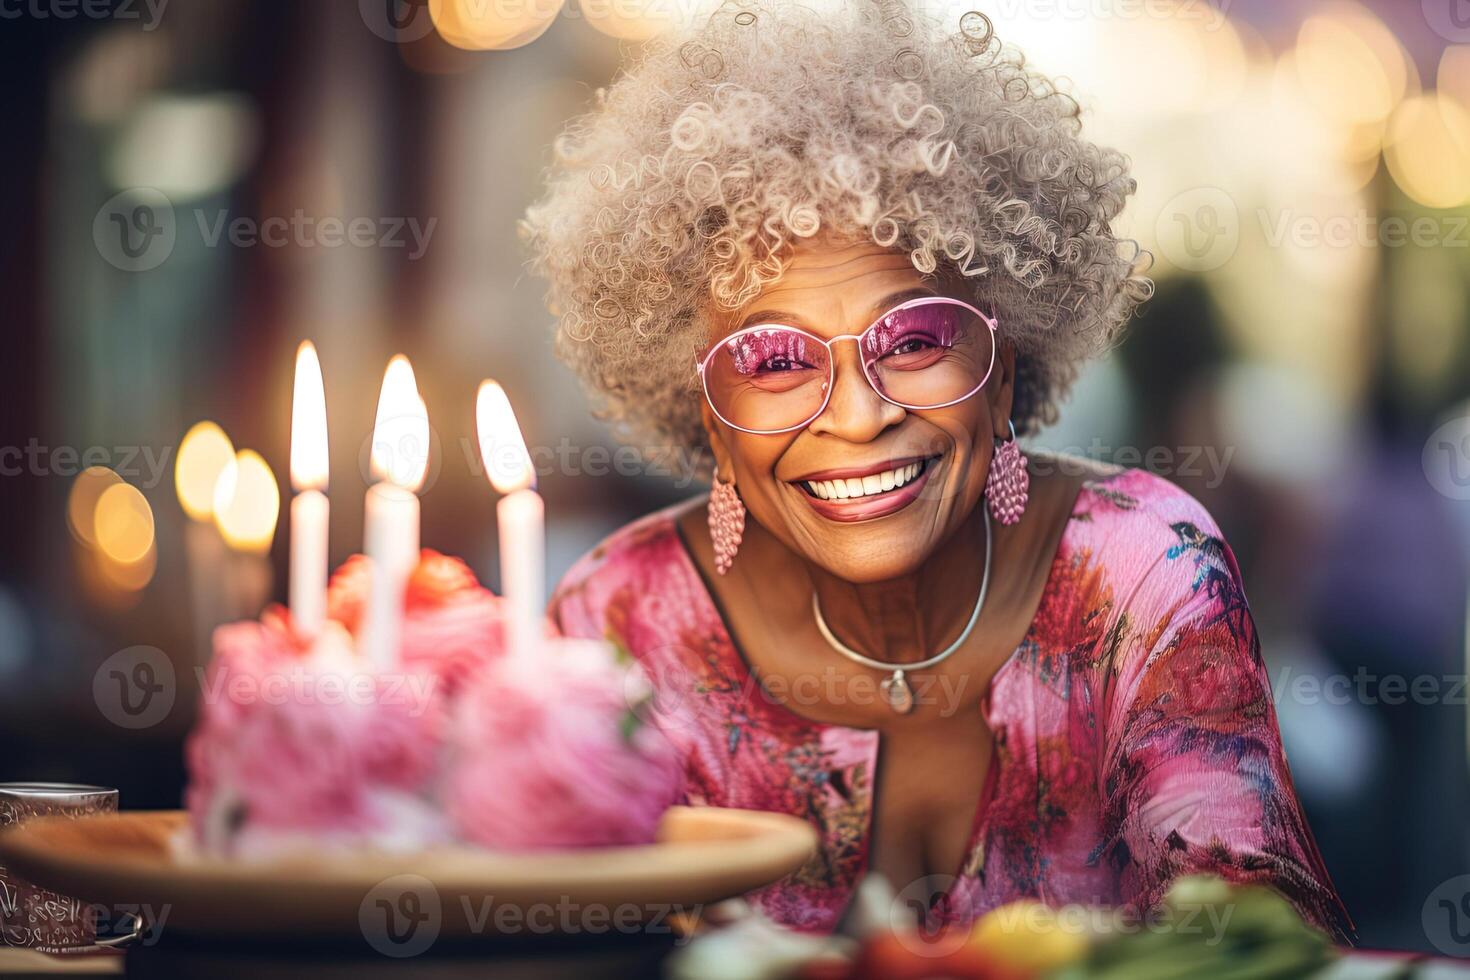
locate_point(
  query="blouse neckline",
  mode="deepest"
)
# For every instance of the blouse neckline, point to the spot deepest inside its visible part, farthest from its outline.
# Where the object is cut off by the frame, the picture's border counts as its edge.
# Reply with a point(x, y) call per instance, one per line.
point(775, 713)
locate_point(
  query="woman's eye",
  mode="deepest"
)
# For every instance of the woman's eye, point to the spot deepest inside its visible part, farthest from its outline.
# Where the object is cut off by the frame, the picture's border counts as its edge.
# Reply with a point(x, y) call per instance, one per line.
point(779, 363)
point(910, 345)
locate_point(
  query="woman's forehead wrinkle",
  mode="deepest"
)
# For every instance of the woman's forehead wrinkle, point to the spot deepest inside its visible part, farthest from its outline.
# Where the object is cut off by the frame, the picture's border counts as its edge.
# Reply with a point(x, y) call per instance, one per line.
point(827, 303)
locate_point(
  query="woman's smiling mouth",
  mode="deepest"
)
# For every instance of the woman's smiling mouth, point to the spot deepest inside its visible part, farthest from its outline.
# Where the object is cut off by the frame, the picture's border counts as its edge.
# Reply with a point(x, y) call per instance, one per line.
point(860, 494)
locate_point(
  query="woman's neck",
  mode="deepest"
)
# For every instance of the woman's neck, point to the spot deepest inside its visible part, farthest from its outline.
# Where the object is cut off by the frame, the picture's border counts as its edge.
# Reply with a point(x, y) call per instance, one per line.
point(913, 617)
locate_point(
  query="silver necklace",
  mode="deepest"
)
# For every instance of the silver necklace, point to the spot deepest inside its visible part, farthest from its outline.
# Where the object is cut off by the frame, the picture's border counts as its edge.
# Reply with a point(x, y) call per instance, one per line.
point(895, 686)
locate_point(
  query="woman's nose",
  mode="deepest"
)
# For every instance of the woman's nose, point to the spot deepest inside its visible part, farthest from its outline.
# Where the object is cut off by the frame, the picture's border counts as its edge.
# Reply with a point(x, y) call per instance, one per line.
point(855, 412)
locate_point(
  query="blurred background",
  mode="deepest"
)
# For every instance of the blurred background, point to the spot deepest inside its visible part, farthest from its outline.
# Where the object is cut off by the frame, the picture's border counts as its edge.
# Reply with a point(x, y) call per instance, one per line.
point(189, 188)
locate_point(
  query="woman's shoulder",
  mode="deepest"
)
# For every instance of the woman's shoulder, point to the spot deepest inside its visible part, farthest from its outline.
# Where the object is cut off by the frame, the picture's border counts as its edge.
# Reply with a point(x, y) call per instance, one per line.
point(1129, 501)
point(1154, 540)
point(642, 566)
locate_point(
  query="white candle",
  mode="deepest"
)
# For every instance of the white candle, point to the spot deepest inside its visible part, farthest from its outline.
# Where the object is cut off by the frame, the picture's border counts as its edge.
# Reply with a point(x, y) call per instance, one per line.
point(400, 457)
point(521, 516)
point(310, 513)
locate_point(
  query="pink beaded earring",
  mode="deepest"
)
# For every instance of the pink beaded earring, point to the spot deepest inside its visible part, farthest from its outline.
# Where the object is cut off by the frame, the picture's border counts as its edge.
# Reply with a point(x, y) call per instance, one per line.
point(726, 523)
point(1008, 486)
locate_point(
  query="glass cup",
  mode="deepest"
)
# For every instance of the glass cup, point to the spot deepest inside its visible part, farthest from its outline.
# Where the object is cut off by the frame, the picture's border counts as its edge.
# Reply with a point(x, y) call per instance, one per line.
point(31, 916)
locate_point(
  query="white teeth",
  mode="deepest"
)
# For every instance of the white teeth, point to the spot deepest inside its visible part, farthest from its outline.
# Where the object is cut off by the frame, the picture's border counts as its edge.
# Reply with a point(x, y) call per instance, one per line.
point(864, 486)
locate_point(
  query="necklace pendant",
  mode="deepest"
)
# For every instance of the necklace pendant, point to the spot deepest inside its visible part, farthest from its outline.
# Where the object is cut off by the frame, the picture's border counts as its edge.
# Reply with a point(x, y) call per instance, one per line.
point(897, 693)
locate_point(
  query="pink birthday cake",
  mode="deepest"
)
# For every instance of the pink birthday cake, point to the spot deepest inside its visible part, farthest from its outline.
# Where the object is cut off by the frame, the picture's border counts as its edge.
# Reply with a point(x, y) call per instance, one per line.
point(300, 746)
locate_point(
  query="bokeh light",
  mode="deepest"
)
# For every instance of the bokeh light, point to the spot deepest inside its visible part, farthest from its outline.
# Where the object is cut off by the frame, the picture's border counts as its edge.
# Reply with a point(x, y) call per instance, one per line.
point(1428, 150)
point(247, 502)
point(492, 25)
point(124, 524)
point(204, 455)
point(81, 502)
point(631, 20)
point(1352, 67)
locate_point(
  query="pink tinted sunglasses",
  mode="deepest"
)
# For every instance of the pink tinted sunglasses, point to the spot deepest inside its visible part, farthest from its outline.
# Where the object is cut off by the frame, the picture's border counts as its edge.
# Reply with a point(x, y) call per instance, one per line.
point(929, 352)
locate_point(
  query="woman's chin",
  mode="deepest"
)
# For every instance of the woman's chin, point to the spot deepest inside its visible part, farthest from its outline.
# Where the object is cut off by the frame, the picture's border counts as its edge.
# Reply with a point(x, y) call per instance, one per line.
point(876, 550)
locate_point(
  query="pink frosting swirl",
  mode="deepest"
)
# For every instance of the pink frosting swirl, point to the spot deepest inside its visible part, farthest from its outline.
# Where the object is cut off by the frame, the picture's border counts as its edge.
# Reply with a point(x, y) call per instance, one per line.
point(550, 754)
point(452, 627)
point(299, 744)
point(293, 740)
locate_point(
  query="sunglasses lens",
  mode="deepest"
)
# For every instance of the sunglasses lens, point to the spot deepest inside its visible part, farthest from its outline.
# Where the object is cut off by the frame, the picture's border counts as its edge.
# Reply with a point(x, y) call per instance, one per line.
point(768, 379)
point(929, 354)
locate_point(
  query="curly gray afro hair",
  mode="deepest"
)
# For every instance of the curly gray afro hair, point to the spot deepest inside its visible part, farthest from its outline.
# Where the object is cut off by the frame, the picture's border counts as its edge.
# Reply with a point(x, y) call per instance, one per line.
point(678, 197)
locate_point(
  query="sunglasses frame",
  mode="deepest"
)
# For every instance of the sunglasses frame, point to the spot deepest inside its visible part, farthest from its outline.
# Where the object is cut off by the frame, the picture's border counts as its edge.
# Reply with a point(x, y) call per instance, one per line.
point(702, 364)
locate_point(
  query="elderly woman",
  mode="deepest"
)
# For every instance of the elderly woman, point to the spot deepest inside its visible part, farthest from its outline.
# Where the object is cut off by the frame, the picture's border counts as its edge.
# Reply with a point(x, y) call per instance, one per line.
point(845, 257)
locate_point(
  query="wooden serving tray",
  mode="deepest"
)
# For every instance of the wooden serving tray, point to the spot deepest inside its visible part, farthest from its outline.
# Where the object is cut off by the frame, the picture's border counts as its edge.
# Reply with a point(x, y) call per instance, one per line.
point(703, 855)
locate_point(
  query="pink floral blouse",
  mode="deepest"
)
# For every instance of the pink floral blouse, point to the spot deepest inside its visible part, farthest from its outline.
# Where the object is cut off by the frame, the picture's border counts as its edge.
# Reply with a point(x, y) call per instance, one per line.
point(1136, 738)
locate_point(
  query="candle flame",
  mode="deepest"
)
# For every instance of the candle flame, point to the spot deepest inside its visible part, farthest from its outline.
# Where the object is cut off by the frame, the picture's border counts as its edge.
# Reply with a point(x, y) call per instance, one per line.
point(401, 434)
point(308, 422)
point(247, 503)
point(502, 446)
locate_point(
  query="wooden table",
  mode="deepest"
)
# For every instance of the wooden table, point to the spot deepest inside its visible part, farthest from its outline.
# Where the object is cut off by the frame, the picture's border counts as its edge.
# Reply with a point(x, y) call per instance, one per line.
point(20, 963)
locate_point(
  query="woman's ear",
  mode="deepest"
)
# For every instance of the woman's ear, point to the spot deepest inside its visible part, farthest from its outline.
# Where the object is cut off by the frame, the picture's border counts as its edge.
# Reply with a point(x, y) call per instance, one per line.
point(724, 464)
point(1000, 390)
